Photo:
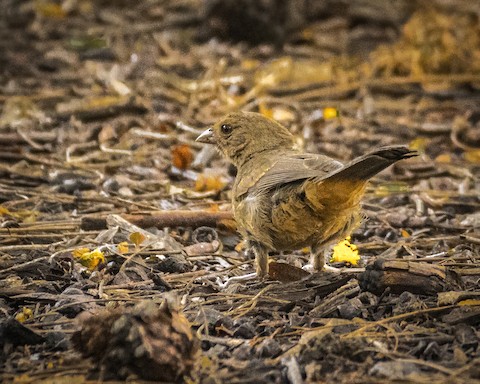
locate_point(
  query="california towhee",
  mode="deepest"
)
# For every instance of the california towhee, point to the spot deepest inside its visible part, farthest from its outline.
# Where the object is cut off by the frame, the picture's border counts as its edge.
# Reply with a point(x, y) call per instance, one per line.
point(284, 199)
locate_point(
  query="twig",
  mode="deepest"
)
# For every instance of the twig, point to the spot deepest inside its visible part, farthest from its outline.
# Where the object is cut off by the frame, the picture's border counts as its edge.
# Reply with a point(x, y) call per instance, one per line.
point(163, 219)
point(359, 331)
point(23, 265)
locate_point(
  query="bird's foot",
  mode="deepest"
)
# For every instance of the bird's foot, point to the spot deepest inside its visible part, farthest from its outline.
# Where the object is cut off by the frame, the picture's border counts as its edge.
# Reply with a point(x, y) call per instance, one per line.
point(242, 278)
point(327, 268)
point(309, 268)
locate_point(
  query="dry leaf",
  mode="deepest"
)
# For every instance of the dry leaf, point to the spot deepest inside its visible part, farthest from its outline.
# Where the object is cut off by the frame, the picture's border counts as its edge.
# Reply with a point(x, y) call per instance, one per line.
point(285, 272)
point(137, 238)
point(182, 156)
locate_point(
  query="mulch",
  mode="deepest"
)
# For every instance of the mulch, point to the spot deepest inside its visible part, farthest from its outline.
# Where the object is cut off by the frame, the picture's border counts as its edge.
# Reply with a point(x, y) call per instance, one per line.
point(119, 257)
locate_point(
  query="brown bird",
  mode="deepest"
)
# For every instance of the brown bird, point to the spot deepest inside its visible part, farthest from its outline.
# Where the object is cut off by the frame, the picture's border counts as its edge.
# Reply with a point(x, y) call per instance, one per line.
point(284, 199)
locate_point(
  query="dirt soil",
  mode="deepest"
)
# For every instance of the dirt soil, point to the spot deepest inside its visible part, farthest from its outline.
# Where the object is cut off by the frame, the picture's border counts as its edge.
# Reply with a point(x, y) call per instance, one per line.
point(119, 256)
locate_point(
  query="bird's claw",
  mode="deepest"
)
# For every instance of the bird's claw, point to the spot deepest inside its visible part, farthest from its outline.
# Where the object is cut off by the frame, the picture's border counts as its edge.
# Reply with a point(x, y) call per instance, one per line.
point(242, 278)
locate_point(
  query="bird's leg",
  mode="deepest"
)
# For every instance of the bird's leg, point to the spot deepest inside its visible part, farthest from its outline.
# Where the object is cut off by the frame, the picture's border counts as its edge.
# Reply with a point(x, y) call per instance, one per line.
point(261, 259)
point(317, 258)
point(261, 265)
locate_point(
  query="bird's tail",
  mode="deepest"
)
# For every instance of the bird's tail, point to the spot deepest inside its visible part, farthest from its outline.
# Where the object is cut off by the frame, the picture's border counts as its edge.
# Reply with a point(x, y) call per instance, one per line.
point(367, 166)
point(343, 188)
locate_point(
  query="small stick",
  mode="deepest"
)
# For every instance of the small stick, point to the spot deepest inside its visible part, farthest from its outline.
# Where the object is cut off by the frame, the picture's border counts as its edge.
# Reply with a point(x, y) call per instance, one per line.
point(163, 219)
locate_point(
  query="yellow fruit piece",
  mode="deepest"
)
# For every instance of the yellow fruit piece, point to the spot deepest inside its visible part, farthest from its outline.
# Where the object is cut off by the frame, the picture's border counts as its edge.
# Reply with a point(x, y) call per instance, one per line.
point(79, 252)
point(24, 215)
point(50, 9)
point(241, 246)
point(5, 211)
point(122, 247)
point(346, 252)
point(25, 315)
point(250, 64)
point(265, 111)
point(206, 183)
point(445, 158)
point(469, 302)
point(330, 113)
point(472, 156)
point(419, 144)
point(89, 259)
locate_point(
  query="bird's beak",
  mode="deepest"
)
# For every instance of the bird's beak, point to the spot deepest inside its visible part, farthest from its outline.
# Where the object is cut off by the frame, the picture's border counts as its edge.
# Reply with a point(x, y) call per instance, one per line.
point(206, 137)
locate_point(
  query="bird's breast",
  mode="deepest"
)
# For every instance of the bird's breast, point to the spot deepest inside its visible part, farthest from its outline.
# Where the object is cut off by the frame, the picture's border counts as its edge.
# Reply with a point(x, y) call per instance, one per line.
point(253, 216)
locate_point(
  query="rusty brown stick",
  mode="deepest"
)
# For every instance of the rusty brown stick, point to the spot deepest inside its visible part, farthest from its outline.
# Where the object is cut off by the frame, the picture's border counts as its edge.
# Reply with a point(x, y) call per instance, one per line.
point(179, 218)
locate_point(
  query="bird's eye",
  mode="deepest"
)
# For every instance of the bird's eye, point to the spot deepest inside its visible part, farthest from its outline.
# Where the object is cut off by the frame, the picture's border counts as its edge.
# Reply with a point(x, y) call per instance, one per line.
point(226, 129)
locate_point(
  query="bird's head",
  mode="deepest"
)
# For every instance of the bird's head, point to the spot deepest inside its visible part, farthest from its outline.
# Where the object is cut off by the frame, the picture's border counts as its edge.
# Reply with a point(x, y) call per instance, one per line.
point(242, 135)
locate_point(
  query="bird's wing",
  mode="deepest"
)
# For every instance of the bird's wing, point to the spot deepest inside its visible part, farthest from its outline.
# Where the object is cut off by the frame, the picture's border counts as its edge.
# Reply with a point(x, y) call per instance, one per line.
point(248, 177)
point(295, 167)
point(368, 165)
point(292, 167)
